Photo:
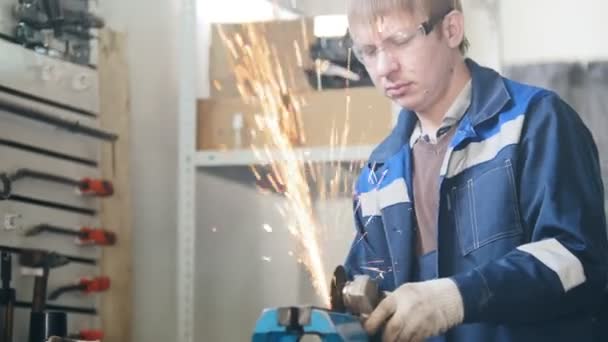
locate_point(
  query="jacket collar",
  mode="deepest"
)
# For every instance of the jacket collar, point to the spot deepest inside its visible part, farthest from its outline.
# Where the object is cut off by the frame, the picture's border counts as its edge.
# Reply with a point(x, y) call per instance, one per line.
point(489, 96)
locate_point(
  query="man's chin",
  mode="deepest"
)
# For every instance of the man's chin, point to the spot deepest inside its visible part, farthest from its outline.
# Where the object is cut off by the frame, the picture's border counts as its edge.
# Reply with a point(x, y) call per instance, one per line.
point(405, 102)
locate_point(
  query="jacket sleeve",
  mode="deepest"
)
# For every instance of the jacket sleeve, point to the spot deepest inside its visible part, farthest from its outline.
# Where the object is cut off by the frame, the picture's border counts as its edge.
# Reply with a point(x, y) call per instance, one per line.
point(358, 254)
point(369, 251)
point(563, 270)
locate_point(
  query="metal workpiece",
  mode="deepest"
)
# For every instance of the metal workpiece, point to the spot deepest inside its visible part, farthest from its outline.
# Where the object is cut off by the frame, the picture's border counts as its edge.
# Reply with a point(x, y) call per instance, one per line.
point(362, 295)
point(358, 297)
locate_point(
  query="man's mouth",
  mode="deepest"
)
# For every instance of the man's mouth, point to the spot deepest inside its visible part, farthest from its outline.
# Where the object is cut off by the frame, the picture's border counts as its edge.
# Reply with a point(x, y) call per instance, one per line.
point(398, 90)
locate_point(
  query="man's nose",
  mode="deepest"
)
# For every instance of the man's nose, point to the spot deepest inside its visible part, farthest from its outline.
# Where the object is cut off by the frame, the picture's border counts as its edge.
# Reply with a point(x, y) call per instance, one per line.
point(386, 64)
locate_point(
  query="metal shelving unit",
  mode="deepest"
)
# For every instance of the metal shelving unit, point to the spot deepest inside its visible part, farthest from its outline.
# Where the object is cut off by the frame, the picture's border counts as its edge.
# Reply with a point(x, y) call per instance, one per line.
point(190, 160)
point(248, 157)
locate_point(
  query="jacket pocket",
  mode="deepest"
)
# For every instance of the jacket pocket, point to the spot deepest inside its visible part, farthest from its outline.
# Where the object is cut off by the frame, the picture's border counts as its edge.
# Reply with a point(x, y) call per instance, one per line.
point(486, 209)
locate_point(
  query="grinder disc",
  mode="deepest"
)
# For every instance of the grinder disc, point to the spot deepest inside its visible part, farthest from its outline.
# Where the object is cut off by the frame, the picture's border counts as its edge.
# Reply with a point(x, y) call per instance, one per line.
point(337, 285)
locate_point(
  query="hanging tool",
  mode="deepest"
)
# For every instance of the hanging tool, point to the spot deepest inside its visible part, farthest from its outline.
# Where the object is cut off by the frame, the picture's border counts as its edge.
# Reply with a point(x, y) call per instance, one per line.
point(75, 127)
point(50, 204)
point(88, 335)
point(55, 324)
point(86, 186)
point(43, 262)
point(47, 102)
point(63, 308)
point(7, 299)
point(350, 301)
point(47, 153)
point(85, 285)
point(86, 235)
point(72, 259)
point(6, 194)
point(54, 12)
point(62, 339)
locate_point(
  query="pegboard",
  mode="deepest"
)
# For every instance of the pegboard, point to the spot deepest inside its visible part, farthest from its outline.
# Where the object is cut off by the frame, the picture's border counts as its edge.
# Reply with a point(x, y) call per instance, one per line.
point(65, 93)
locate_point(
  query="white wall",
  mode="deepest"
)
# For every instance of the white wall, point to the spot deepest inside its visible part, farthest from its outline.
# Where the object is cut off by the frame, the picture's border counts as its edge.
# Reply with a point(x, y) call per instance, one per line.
point(150, 26)
point(482, 31)
point(240, 267)
point(554, 30)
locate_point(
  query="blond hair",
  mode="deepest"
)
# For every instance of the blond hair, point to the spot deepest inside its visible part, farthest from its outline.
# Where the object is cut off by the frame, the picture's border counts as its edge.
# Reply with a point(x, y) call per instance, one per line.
point(368, 11)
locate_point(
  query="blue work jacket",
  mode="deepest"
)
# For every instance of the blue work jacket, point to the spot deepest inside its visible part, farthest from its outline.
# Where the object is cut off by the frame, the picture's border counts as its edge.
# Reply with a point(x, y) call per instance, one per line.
point(521, 226)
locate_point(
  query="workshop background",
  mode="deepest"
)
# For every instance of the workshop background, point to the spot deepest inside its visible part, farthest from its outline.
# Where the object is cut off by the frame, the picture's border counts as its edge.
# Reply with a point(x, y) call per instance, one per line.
point(129, 187)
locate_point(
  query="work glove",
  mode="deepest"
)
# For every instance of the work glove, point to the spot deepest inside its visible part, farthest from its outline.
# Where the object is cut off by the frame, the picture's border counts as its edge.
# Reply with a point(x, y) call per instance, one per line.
point(417, 311)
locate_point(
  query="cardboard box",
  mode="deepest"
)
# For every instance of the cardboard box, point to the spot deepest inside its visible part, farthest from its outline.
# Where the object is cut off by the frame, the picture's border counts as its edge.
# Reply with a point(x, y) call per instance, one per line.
point(369, 123)
point(290, 40)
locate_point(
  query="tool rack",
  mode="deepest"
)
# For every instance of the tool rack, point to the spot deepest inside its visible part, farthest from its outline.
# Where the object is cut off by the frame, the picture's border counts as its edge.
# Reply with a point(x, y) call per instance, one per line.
point(64, 167)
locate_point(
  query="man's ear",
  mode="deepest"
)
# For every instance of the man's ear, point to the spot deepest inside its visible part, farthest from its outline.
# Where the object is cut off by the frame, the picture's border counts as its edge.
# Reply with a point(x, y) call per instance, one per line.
point(453, 28)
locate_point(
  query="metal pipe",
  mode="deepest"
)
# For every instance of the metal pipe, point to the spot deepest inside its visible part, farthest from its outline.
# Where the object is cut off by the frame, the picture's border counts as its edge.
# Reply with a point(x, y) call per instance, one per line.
point(71, 126)
point(86, 186)
point(69, 309)
point(74, 259)
point(48, 153)
point(7, 300)
point(42, 100)
point(27, 173)
point(52, 205)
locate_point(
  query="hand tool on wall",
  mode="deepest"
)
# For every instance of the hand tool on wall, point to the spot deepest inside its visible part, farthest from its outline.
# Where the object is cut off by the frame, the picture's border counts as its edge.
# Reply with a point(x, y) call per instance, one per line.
point(29, 97)
point(47, 153)
point(70, 258)
point(7, 299)
point(54, 13)
point(8, 107)
point(43, 262)
point(55, 324)
point(86, 186)
point(85, 236)
point(61, 339)
point(68, 309)
point(7, 195)
point(88, 335)
point(85, 285)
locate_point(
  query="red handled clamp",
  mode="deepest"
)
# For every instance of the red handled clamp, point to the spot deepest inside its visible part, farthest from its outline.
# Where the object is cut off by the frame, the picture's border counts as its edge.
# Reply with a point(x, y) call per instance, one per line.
point(96, 187)
point(88, 335)
point(98, 237)
point(85, 285)
point(99, 284)
point(85, 235)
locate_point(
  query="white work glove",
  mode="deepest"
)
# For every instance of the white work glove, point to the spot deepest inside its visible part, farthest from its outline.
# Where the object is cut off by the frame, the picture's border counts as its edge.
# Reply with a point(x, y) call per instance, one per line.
point(416, 311)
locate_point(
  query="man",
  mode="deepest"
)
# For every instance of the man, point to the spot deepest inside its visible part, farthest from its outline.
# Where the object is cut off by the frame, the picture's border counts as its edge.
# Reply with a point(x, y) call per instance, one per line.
point(482, 212)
